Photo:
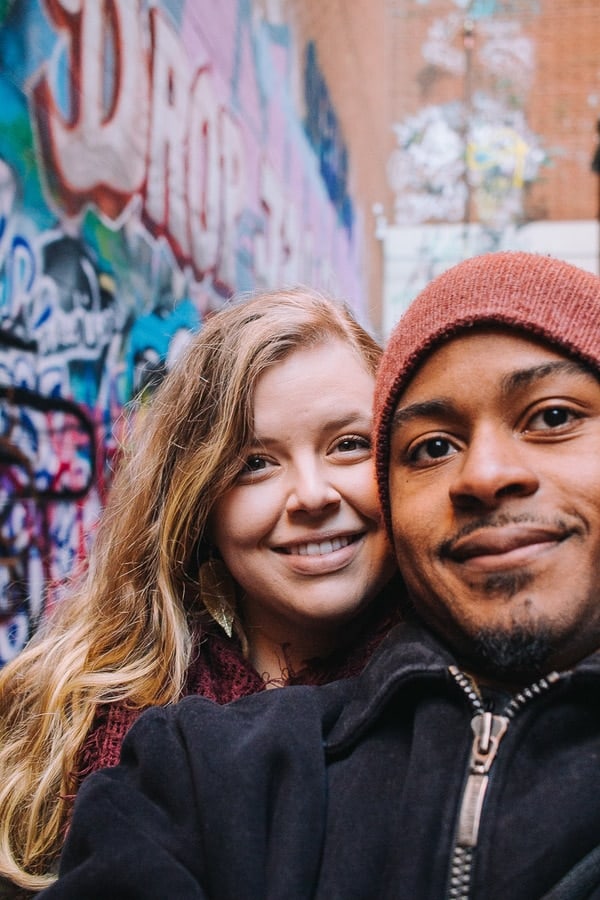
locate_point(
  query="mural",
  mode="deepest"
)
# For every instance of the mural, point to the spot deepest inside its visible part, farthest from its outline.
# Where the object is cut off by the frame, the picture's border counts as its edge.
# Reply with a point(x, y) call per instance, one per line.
point(152, 163)
point(474, 157)
point(468, 161)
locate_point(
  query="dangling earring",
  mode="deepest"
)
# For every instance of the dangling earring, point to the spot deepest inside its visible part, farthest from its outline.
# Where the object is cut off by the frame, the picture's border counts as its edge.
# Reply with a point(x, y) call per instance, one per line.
point(217, 592)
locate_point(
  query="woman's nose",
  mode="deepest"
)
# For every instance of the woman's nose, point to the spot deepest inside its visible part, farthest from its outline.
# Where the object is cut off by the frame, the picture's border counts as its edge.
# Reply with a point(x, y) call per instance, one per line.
point(311, 489)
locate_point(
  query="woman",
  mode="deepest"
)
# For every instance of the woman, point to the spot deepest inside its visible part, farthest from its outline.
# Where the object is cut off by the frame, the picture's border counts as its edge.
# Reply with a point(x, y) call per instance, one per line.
point(240, 549)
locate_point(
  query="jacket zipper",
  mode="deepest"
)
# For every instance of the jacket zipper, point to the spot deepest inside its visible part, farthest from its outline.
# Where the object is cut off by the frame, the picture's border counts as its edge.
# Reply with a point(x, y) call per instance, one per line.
point(488, 731)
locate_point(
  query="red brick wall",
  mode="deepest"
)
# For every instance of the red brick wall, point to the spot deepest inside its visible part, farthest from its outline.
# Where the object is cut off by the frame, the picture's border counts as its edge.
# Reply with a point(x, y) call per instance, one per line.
point(353, 47)
point(553, 78)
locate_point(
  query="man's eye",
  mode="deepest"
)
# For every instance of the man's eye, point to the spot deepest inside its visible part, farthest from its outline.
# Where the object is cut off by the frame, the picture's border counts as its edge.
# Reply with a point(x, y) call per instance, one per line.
point(551, 417)
point(432, 449)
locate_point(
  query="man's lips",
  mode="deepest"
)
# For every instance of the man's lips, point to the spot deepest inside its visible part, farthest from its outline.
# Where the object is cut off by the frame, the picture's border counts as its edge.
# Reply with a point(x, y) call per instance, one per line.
point(508, 543)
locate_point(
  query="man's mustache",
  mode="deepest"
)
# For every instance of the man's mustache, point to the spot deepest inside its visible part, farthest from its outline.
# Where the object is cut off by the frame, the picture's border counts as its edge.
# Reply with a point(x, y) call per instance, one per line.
point(503, 520)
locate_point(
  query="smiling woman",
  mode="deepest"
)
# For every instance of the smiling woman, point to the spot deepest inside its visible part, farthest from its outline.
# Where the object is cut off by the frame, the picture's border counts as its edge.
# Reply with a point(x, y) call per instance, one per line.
point(241, 549)
point(300, 527)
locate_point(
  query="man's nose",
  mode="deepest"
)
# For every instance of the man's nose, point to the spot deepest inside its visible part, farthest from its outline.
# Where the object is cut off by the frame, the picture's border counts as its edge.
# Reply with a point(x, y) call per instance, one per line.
point(493, 466)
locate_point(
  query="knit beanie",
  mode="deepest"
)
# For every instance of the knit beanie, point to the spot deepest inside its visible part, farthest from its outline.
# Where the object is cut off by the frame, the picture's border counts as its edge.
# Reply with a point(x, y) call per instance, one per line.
point(544, 297)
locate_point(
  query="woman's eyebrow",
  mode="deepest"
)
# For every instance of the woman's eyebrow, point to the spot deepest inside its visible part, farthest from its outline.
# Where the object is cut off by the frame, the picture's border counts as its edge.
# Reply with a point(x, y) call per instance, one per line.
point(352, 419)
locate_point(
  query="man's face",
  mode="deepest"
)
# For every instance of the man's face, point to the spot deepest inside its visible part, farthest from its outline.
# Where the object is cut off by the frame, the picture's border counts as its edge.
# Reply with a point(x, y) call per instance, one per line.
point(495, 497)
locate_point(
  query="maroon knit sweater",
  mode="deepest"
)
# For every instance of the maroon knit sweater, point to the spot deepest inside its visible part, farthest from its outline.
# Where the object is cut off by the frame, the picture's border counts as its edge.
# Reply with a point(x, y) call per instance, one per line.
point(220, 672)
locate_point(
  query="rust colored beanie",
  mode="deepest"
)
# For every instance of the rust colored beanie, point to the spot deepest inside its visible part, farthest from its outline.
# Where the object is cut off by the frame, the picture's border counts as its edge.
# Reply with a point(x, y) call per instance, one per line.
point(545, 297)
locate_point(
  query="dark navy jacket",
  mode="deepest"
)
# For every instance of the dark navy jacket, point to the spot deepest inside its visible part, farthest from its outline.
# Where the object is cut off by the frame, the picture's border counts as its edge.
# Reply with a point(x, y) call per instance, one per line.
point(352, 791)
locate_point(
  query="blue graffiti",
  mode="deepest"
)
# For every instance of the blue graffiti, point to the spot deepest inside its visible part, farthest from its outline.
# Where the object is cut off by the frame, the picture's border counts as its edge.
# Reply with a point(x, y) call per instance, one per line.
point(150, 339)
point(324, 133)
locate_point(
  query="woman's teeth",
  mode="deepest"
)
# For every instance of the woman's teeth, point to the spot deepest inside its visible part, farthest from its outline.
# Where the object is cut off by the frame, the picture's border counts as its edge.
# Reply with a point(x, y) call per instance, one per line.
point(321, 548)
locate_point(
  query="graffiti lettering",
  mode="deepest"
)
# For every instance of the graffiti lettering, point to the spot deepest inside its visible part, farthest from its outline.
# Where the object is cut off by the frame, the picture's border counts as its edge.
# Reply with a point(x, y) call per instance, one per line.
point(165, 189)
point(203, 177)
point(195, 180)
point(84, 148)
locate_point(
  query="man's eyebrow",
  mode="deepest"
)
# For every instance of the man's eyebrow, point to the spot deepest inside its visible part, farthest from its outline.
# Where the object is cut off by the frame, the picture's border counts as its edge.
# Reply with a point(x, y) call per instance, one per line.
point(524, 377)
point(441, 406)
point(422, 409)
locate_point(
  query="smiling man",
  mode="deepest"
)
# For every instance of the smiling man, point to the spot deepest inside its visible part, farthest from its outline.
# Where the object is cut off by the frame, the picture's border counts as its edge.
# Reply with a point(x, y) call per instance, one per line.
point(495, 483)
point(463, 762)
point(489, 462)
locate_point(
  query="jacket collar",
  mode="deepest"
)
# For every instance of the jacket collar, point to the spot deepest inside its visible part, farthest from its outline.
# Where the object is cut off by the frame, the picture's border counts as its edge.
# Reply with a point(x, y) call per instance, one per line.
point(410, 651)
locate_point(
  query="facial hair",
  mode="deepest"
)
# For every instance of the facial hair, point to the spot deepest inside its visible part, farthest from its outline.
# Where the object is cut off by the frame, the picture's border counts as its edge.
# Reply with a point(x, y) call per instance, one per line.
point(521, 653)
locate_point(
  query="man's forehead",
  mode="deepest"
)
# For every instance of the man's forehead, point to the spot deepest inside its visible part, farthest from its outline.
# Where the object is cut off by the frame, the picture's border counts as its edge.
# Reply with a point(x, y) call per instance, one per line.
point(507, 350)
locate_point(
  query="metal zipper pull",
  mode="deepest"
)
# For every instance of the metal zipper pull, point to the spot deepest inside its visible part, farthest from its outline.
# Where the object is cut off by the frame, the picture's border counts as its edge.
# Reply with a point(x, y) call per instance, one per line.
point(488, 731)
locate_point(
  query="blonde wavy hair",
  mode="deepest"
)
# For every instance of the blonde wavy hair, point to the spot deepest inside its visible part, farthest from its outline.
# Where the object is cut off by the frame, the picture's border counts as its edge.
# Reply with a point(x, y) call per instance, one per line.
point(124, 635)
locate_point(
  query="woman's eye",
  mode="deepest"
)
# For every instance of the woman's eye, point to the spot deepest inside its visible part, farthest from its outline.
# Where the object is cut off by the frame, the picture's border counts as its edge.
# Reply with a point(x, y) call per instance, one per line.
point(254, 463)
point(551, 417)
point(254, 468)
point(350, 444)
point(431, 449)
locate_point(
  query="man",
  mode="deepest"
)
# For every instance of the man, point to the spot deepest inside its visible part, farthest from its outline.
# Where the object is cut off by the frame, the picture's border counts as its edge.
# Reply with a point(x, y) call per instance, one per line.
point(463, 762)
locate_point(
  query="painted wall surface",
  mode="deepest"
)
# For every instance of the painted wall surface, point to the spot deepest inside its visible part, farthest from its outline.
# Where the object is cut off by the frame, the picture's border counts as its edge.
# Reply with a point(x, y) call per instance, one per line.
point(473, 156)
point(414, 255)
point(152, 162)
point(481, 140)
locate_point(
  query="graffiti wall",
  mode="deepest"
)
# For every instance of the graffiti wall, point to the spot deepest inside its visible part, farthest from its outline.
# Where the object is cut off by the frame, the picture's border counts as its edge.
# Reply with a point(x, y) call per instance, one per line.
point(153, 161)
point(470, 157)
point(466, 156)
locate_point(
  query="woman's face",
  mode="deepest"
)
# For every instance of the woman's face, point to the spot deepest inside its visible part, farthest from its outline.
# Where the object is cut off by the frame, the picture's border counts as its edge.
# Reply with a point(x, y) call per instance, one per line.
point(300, 530)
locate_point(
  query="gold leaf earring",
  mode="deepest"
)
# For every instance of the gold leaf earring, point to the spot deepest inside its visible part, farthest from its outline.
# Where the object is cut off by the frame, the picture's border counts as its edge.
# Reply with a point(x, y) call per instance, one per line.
point(217, 592)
